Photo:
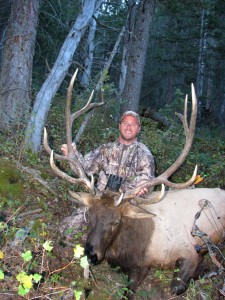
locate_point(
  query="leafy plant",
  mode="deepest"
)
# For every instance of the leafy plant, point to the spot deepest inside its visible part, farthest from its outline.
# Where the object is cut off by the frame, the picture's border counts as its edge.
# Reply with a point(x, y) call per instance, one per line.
point(26, 282)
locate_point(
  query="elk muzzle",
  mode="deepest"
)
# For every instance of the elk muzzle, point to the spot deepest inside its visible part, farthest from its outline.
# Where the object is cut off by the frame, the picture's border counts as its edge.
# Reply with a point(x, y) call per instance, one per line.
point(91, 254)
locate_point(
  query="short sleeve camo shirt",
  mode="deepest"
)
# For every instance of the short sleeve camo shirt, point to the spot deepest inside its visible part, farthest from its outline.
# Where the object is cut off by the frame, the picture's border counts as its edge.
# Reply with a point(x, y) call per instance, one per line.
point(134, 163)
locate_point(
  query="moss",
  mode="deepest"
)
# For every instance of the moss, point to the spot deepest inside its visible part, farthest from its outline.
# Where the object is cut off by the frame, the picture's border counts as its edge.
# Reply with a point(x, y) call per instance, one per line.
point(44, 175)
point(10, 183)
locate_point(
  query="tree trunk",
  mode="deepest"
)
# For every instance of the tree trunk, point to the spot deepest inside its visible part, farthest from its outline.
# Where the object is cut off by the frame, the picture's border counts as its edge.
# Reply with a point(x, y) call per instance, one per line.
point(222, 113)
point(201, 61)
point(56, 76)
point(4, 20)
point(88, 53)
point(137, 55)
point(132, 9)
point(17, 61)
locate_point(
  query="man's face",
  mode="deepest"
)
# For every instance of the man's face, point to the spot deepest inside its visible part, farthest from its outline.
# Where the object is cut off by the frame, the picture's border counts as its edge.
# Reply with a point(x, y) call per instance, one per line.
point(129, 128)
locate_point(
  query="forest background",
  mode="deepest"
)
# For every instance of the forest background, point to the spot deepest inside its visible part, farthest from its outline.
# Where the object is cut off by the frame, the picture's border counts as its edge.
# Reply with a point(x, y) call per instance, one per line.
point(141, 55)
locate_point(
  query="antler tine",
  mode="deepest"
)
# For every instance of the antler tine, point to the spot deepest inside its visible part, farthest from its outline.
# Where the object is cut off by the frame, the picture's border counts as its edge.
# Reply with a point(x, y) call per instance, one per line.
point(147, 200)
point(89, 184)
point(189, 133)
point(87, 107)
point(45, 141)
point(48, 149)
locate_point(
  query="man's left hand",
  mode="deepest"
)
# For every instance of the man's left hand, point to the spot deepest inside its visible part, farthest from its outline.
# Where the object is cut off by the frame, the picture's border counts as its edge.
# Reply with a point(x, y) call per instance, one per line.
point(142, 192)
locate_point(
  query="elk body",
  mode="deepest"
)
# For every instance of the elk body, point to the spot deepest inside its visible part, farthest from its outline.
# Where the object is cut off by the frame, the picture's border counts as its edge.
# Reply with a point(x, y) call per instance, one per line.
point(138, 235)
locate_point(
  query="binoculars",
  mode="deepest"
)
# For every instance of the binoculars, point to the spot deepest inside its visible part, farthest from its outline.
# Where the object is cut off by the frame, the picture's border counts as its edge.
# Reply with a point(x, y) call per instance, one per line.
point(114, 183)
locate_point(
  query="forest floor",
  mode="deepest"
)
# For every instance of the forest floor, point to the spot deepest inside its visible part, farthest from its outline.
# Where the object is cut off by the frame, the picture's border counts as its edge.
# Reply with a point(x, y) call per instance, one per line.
point(33, 208)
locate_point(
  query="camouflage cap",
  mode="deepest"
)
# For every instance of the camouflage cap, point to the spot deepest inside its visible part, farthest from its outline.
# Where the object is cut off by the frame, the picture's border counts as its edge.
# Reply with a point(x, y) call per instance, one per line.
point(131, 113)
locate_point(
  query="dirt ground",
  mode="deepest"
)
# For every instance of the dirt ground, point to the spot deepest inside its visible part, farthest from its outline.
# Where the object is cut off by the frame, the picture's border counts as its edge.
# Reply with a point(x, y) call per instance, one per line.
point(42, 211)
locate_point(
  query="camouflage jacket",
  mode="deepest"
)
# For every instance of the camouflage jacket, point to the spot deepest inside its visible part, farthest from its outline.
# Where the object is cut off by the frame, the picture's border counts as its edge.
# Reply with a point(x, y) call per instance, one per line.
point(134, 163)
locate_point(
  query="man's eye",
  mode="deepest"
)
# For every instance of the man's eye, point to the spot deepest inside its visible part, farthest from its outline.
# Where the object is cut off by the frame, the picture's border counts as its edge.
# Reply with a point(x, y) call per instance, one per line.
point(131, 124)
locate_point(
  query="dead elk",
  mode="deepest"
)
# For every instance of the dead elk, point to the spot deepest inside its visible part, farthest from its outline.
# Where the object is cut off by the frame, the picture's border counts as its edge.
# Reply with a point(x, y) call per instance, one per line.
point(137, 238)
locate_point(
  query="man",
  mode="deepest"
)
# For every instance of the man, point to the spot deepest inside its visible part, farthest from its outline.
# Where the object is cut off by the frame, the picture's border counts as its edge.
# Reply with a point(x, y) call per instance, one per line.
point(124, 164)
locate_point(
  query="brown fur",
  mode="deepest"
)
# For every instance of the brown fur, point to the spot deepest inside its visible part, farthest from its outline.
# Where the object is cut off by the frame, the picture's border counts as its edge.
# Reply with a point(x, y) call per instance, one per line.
point(129, 236)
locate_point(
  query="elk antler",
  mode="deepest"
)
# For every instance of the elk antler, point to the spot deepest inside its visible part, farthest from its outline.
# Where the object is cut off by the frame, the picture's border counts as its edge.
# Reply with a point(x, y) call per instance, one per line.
point(74, 163)
point(189, 133)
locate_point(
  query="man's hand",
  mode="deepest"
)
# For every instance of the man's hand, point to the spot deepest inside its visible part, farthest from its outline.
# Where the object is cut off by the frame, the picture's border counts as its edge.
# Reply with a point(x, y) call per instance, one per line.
point(142, 192)
point(64, 149)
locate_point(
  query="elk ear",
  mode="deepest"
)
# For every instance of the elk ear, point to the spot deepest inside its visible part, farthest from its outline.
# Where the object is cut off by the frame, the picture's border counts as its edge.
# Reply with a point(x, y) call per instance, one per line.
point(83, 198)
point(136, 212)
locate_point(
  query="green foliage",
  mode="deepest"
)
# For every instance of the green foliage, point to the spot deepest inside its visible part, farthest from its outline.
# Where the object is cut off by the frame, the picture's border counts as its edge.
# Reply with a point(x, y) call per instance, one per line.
point(32, 158)
point(177, 105)
point(27, 256)
point(121, 291)
point(48, 246)
point(10, 183)
point(25, 280)
point(164, 276)
point(77, 294)
point(199, 288)
point(78, 251)
point(2, 275)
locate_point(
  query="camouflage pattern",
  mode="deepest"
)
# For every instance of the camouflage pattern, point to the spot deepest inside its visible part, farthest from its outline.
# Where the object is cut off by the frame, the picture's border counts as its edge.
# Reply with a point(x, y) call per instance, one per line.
point(134, 163)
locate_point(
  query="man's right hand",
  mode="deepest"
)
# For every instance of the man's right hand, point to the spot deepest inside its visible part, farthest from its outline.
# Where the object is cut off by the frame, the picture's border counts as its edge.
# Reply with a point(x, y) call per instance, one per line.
point(64, 149)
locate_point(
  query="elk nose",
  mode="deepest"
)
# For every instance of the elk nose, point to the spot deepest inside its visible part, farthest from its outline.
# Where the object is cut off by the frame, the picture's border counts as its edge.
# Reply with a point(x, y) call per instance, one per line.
point(91, 255)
